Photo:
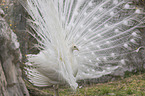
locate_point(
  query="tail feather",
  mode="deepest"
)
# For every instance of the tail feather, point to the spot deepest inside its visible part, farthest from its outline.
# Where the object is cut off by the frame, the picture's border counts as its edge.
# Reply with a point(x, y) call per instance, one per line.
point(37, 79)
point(104, 32)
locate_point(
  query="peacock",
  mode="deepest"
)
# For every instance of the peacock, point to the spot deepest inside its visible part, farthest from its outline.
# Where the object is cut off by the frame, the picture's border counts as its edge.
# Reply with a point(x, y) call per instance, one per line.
point(81, 39)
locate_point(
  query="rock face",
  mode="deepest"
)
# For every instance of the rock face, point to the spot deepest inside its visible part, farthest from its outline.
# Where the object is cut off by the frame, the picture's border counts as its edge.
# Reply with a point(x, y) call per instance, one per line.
point(11, 82)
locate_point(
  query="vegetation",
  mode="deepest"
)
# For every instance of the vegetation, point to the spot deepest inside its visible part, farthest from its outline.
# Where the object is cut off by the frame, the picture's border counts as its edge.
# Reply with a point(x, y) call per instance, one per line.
point(129, 86)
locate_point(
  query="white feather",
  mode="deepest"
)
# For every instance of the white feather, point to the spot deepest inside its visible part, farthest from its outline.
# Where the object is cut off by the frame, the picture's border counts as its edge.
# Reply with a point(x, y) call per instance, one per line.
point(102, 30)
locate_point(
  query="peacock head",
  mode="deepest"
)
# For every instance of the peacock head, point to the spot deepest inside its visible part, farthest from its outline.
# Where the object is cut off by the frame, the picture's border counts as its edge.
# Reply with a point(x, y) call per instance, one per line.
point(74, 47)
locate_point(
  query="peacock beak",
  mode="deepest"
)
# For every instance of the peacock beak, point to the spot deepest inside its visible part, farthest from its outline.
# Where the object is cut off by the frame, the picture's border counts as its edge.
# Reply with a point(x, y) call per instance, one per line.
point(77, 49)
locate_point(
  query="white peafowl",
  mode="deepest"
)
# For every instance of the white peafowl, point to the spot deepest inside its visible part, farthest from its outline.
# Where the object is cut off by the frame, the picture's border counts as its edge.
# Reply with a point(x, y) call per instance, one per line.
point(81, 39)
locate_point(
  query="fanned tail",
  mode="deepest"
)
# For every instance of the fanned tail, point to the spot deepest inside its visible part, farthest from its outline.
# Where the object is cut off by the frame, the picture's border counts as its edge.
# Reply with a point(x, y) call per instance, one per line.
point(104, 31)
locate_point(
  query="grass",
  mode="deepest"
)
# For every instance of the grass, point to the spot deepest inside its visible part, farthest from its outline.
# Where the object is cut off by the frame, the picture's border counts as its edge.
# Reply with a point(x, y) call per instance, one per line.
point(130, 86)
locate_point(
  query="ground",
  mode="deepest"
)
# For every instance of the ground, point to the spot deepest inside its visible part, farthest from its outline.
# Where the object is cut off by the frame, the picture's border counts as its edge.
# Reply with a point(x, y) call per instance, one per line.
point(128, 86)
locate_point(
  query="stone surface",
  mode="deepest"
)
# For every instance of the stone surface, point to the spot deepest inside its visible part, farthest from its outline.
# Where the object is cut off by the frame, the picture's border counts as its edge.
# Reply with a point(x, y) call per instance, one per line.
point(11, 82)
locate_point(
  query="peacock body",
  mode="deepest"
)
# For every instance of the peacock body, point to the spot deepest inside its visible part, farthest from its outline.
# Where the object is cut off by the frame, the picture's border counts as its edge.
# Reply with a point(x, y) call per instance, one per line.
point(81, 39)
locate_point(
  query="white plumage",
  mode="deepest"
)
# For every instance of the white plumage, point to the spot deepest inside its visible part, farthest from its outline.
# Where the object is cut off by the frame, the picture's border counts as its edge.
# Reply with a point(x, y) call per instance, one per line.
point(81, 39)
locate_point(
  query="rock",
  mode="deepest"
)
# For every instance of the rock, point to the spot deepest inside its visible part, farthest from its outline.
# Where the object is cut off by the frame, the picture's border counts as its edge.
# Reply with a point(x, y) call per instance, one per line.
point(11, 82)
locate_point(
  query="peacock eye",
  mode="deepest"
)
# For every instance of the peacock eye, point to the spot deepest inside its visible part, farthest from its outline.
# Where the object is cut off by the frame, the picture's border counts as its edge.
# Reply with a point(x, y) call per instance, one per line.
point(75, 47)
